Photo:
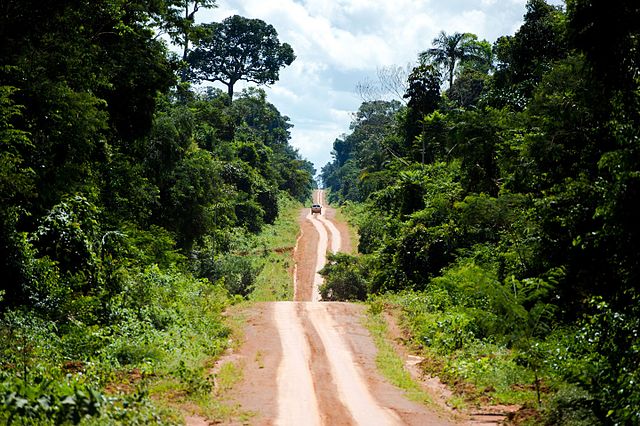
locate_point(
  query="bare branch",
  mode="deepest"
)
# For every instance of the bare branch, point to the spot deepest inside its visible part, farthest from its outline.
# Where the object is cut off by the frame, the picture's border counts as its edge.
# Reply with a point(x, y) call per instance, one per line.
point(391, 84)
point(368, 90)
point(393, 80)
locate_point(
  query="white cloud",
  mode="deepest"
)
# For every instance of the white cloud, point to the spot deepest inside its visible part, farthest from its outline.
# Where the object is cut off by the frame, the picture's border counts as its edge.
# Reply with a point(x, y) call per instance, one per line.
point(341, 42)
point(469, 21)
point(283, 92)
point(316, 143)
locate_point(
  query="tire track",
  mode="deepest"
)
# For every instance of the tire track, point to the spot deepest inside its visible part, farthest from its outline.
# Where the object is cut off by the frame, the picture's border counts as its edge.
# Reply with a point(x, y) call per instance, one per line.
point(296, 395)
point(321, 256)
point(350, 382)
point(315, 332)
point(322, 378)
point(327, 231)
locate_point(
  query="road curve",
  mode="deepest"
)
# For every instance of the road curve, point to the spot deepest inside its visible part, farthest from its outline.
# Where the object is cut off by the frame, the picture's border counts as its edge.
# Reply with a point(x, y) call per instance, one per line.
point(327, 231)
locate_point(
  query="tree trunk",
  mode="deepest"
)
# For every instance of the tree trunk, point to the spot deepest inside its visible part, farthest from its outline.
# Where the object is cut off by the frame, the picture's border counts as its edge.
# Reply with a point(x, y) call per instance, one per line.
point(185, 51)
point(185, 66)
point(451, 69)
point(230, 91)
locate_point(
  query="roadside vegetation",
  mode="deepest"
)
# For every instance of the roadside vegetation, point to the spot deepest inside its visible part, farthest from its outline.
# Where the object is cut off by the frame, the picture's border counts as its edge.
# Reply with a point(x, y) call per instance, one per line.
point(388, 361)
point(131, 209)
point(496, 208)
point(273, 255)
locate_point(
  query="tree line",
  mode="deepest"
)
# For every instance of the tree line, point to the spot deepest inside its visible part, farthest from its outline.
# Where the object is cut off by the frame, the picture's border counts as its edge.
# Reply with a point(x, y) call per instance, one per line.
point(501, 193)
point(119, 177)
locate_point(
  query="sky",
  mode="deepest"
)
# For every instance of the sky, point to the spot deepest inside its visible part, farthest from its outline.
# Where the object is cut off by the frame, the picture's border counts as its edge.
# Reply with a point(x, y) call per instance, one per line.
point(341, 43)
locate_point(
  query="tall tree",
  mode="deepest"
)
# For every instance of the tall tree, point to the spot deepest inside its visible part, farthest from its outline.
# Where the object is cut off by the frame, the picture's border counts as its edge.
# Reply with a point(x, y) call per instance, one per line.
point(522, 59)
point(240, 49)
point(186, 25)
point(449, 50)
point(178, 20)
point(609, 35)
point(423, 94)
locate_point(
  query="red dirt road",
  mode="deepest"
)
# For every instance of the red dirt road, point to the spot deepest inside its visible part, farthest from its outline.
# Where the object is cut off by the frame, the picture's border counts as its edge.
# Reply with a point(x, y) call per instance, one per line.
point(310, 362)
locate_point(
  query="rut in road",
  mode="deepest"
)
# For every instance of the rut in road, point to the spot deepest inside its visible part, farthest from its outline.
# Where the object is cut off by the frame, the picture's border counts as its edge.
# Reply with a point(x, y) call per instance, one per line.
point(297, 401)
point(310, 333)
point(309, 362)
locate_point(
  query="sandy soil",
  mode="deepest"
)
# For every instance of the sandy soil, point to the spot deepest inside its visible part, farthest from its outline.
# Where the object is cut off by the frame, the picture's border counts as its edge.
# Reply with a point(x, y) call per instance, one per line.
point(313, 363)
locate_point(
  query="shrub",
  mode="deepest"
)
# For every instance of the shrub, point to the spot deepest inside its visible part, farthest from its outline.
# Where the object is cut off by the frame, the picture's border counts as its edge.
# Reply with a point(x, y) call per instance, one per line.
point(344, 278)
point(236, 273)
point(45, 401)
point(445, 331)
point(570, 406)
point(27, 343)
point(601, 357)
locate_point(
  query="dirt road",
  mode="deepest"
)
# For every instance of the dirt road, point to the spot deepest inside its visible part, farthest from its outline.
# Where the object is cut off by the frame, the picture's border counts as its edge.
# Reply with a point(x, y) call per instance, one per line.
point(309, 362)
point(328, 236)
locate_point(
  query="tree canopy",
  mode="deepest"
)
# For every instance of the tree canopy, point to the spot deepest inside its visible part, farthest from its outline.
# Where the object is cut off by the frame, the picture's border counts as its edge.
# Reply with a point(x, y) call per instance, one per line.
point(503, 210)
point(449, 50)
point(126, 198)
point(239, 49)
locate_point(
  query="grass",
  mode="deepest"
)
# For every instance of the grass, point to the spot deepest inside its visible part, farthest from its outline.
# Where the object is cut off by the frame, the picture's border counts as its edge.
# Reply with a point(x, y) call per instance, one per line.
point(229, 375)
point(479, 372)
point(189, 394)
point(274, 282)
point(390, 364)
point(354, 237)
point(275, 256)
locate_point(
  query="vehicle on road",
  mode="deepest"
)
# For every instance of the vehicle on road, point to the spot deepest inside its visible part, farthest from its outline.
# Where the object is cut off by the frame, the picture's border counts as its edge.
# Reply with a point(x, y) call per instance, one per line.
point(316, 208)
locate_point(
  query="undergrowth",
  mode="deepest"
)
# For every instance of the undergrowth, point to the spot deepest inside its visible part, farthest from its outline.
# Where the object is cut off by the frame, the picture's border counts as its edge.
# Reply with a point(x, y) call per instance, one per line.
point(273, 255)
point(483, 370)
point(387, 360)
point(147, 354)
point(163, 328)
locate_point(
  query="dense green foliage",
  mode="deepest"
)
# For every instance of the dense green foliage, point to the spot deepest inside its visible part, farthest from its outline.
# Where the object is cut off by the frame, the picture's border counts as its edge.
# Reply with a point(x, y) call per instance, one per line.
point(124, 198)
point(240, 49)
point(506, 214)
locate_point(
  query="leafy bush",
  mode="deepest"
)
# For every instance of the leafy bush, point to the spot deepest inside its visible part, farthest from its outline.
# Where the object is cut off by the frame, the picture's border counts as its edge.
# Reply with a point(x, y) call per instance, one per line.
point(571, 406)
point(160, 319)
point(28, 280)
point(235, 272)
point(445, 332)
point(45, 401)
point(69, 235)
point(157, 304)
point(344, 278)
point(600, 356)
point(491, 366)
point(28, 344)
